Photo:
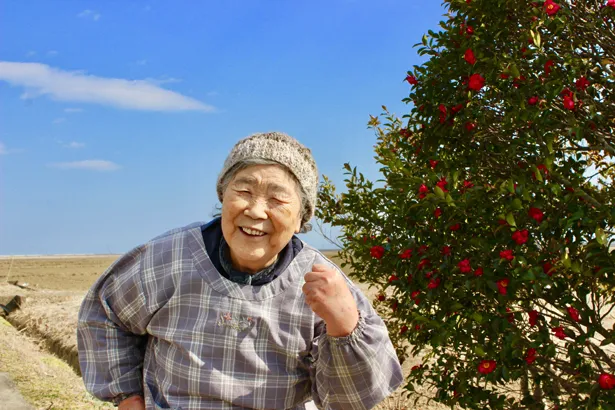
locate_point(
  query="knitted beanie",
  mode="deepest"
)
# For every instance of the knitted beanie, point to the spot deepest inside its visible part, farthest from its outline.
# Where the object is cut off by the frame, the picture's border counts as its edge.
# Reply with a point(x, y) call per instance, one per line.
point(281, 148)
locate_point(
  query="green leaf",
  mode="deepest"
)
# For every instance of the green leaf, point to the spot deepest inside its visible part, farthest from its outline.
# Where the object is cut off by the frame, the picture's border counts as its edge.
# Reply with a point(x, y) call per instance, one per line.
point(477, 317)
point(479, 351)
point(511, 219)
point(439, 192)
point(600, 236)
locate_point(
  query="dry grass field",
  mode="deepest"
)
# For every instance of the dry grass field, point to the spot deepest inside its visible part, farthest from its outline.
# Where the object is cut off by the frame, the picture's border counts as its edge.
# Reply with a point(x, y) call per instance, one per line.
point(48, 320)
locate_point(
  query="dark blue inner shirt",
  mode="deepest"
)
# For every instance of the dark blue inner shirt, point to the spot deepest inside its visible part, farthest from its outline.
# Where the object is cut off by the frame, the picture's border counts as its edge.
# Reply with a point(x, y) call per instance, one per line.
point(219, 253)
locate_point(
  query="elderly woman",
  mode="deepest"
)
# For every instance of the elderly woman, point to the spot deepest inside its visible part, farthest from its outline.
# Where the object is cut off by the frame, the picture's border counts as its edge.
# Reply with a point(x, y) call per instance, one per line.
point(237, 313)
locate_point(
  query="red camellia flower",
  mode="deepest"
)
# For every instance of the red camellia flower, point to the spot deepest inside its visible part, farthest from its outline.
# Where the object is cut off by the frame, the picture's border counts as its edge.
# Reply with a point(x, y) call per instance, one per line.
point(582, 83)
point(486, 366)
point(377, 251)
point(446, 250)
point(610, 3)
point(403, 329)
point(423, 191)
point(470, 126)
point(520, 237)
point(423, 263)
point(434, 283)
point(469, 57)
point(455, 227)
point(507, 254)
point(478, 272)
point(457, 108)
point(464, 266)
point(607, 381)
point(551, 8)
point(442, 183)
point(381, 297)
point(574, 314)
point(547, 268)
point(503, 286)
point(393, 278)
point(536, 214)
point(415, 294)
point(476, 82)
point(548, 65)
point(433, 163)
point(534, 317)
point(568, 102)
point(470, 29)
point(559, 332)
point(532, 100)
point(504, 76)
point(530, 355)
point(407, 254)
point(412, 80)
point(437, 213)
point(467, 184)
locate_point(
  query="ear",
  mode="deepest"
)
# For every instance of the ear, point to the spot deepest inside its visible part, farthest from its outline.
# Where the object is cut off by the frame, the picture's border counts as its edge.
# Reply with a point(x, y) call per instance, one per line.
point(298, 226)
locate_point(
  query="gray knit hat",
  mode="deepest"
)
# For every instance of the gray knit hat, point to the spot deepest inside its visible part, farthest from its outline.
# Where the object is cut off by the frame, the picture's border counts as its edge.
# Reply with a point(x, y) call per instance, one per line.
point(281, 148)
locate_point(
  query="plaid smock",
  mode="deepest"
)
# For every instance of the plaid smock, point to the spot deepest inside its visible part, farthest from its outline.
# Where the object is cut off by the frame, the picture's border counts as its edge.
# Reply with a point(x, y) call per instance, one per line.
point(162, 322)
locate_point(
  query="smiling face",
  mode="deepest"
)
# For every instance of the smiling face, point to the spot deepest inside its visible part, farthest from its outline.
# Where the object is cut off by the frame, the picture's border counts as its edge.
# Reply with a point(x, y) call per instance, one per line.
point(261, 210)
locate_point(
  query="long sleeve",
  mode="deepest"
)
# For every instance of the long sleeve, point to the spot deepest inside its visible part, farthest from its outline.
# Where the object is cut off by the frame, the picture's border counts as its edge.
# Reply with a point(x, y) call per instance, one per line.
point(359, 370)
point(111, 335)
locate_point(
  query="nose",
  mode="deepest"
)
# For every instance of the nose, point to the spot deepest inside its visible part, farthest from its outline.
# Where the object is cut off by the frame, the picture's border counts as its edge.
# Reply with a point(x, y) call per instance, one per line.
point(256, 210)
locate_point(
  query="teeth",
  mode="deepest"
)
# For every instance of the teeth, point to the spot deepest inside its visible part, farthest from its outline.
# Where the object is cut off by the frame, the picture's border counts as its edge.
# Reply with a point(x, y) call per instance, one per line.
point(253, 232)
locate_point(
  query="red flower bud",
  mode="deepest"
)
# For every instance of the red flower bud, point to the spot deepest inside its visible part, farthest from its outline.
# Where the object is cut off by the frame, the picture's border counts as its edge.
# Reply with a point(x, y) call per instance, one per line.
point(433, 163)
point(470, 126)
point(607, 381)
point(464, 266)
point(455, 227)
point(548, 65)
point(536, 214)
point(532, 100)
point(476, 82)
point(568, 102)
point(520, 237)
point(381, 297)
point(559, 332)
point(469, 57)
point(574, 314)
point(434, 283)
point(414, 294)
point(534, 315)
point(412, 80)
point(446, 250)
point(478, 272)
point(582, 83)
point(530, 356)
point(407, 254)
point(547, 268)
point(377, 251)
point(507, 254)
point(393, 278)
point(437, 213)
point(403, 329)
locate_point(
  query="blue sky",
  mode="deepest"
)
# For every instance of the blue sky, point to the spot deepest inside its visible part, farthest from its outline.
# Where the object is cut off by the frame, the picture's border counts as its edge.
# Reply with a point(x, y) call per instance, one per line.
point(116, 116)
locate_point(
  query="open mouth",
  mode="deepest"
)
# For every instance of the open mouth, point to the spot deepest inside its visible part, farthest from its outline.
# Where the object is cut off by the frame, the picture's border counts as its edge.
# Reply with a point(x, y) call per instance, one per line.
point(252, 232)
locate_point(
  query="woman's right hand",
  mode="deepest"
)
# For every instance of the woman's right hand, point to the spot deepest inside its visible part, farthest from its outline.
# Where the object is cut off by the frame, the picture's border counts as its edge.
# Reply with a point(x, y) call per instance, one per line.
point(132, 403)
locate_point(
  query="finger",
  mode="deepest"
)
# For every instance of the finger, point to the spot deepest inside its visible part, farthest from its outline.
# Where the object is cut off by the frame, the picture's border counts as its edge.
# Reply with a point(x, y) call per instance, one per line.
point(313, 276)
point(320, 267)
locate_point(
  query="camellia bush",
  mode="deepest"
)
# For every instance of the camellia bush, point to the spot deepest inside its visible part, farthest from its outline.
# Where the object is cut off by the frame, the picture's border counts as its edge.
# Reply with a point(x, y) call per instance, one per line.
point(490, 235)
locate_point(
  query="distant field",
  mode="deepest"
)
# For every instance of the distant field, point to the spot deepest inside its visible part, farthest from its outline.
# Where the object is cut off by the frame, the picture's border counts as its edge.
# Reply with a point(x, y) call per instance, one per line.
point(65, 272)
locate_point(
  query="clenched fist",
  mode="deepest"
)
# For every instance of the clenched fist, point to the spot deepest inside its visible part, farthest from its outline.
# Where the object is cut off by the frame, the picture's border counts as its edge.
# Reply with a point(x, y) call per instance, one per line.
point(328, 295)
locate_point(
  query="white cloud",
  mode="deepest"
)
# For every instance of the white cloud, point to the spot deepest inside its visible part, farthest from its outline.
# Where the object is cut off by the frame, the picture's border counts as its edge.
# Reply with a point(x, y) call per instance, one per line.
point(52, 53)
point(31, 53)
point(3, 150)
point(213, 93)
point(75, 145)
point(59, 120)
point(162, 80)
point(89, 164)
point(73, 110)
point(41, 79)
point(141, 62)
point(91, 14)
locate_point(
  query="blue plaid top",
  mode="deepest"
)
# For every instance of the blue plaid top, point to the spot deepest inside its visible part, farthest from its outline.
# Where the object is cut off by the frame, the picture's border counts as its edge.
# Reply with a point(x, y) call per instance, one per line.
point(164, 323)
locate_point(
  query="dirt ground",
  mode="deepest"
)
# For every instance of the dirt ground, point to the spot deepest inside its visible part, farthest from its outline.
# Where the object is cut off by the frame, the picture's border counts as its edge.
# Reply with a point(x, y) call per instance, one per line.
point(49, 315)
